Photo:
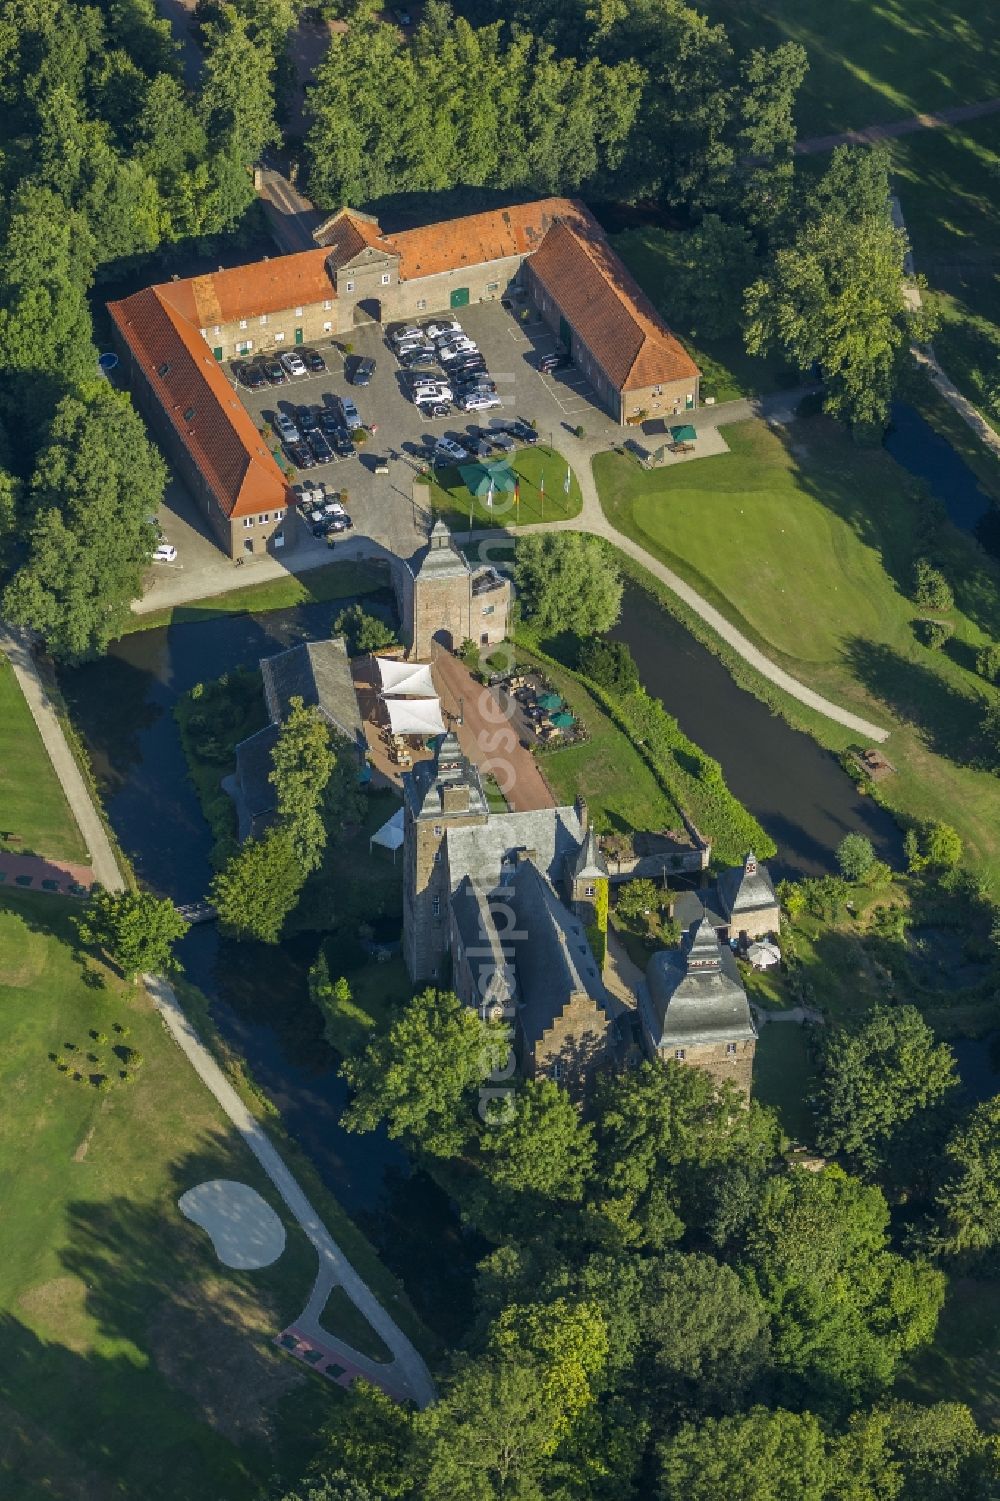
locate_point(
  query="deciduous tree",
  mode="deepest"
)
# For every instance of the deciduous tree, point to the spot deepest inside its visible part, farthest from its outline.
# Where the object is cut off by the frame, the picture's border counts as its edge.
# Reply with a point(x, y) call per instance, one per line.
point(567, 581)
point(855, 856)
point(544, 1148)
point(758, 1456)
point(968, 1200)
point(134, 928)
point(302, 762)
point(259, 887)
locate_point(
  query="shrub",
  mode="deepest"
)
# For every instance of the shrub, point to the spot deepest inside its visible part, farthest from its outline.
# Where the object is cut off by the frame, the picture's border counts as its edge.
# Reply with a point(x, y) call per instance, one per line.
point(359, 436)
point(988, 662)
point(930, 587)
point(609, 663)
point(198, 691)
point(855, 856)
point(579, 431)
point(932, 633)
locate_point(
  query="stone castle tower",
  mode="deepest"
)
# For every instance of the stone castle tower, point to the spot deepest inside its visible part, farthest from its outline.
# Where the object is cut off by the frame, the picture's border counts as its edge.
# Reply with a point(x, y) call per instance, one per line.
point(442, 598)
point(439, 795)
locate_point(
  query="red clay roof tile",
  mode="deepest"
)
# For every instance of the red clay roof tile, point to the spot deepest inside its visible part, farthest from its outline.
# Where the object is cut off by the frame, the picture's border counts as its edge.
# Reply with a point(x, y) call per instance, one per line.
point(613, 317)
point(206, 412)
point(477, 239)
point(248, 291)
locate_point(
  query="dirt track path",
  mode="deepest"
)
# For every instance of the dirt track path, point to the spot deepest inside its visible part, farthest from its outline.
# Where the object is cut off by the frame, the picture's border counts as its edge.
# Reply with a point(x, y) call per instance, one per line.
point(870, 135)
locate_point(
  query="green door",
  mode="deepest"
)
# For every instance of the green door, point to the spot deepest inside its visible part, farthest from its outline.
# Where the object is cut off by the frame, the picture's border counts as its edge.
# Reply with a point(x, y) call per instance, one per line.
point(218, 353)
point(298, 336)
point(460, 297)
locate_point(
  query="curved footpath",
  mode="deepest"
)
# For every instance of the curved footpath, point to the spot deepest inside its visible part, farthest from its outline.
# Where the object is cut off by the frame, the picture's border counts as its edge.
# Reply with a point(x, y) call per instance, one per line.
point(406, 1376)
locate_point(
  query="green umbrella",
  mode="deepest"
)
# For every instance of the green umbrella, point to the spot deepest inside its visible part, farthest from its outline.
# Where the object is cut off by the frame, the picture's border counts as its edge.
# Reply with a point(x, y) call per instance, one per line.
point(549, 701)
point(563, 721)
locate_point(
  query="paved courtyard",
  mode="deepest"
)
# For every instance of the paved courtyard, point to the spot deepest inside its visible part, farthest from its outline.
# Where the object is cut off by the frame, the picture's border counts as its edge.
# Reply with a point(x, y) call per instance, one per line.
point(386, 511)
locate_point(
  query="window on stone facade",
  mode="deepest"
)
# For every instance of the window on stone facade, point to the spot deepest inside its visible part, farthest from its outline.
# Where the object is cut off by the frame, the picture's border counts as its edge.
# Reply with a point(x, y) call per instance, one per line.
point(263, 319)
point(327, 305)
point(556, 1071)
point(348, 286)
point(590, 891)
point(298, 312)
point(279, 338)
point(249, 520)
point(243, 323)
point(489, 609)
point(436, 906)
point(327, 327)
point(421, 302)
point(217, 329)
point(386, 278)
point(264, 516)
point(679, 1054)
point(438, 829)
point(493, 286)
point(731, 1049)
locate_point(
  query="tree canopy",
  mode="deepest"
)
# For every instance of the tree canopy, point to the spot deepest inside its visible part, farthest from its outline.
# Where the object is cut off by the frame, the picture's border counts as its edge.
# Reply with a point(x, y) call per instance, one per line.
point(567, 581)
point(134, 928)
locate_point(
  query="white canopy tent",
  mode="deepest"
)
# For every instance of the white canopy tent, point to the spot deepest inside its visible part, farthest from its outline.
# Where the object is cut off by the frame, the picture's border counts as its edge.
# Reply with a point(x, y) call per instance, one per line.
point(415, 716)
point(412, 679)
point(390, 835)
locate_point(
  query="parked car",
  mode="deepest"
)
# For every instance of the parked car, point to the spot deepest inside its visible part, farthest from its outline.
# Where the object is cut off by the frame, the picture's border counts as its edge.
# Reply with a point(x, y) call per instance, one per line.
point(557, 361)
point(165, 553)
point(478, 401)
point(478, 447)
point(342, 445)
point(274, 373)
point(404, 331)
point(286, 429)
point(418, 355)
point(447, 451)
point(438, 409)
point(319, 447)
point(361, 372)
point(314, 361)
point(293, 362)
point(501, 440)
point(423, 389)
point(472, 380)
point(307, 419)
point(349, 413)
point(299, 456)
point(250, 375)
point(471, 362)
point(440, 328)
point(522, 431)
point(449, 352)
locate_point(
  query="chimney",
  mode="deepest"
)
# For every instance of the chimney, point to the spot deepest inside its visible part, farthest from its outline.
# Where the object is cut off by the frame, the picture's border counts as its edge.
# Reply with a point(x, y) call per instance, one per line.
point(582, 813)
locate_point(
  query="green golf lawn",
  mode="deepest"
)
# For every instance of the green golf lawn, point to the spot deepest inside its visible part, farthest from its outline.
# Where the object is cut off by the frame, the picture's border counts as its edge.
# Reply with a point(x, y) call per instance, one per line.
point(874, 63)
point(135, 1364)
point(32, 804)
point(541, 472)
point(809, 549)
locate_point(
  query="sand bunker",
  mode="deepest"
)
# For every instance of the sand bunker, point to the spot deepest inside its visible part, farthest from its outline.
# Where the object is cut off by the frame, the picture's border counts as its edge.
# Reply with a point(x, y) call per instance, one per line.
point(244, 1229)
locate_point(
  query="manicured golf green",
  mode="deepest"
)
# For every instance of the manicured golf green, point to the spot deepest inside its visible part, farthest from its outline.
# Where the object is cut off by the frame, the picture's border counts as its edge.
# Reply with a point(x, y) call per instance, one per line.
point(807, 543)
point(32, 804)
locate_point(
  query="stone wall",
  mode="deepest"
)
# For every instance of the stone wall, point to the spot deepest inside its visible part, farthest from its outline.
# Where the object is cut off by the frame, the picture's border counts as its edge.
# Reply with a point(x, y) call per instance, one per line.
point(274, 333)
point(578, 1042)
point(755, 924)
point(735, 1068)
point(433, 294)
point(426, 893)
point(442, 611)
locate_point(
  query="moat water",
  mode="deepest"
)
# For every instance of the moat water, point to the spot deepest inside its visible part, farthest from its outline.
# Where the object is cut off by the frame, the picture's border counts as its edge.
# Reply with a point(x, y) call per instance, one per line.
point(123, 707)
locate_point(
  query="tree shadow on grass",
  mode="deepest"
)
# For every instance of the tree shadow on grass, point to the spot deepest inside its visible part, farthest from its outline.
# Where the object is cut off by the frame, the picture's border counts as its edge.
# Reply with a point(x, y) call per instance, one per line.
point(947, 721)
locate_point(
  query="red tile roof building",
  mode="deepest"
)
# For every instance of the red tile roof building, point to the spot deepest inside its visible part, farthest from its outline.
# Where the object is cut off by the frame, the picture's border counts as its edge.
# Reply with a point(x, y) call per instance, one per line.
point(175, 337)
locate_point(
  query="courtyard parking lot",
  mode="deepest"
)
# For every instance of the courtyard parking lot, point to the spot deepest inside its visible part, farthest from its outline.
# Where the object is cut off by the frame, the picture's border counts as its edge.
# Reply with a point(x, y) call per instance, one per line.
point(383, 507)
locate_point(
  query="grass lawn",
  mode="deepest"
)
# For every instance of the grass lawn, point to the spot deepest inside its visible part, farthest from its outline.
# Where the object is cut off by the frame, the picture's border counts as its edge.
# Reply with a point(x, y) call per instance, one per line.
point(32, 803)
point(316, 585)
point(963, 1362)
point(621, 791)
point(809, 549)
point(728, 372)
point(136, 1365)
point(542, 473)
point(341, 1316)
point(873, 63)
point(783, 1076)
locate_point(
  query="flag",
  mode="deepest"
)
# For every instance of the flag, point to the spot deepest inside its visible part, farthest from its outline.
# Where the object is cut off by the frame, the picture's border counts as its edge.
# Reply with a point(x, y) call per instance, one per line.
point(517, 492)
point(566, 481)
point(541, 485)
point(489, 498)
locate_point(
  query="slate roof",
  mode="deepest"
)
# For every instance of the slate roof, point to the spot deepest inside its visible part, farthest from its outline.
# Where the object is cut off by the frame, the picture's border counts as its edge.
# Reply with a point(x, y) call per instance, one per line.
point(200, 404)
point(225, 296)
point(254, 765)
point(746, 888)
point(554, 959)
point(477, 239)
point(486, 851)
point(424, 785)
point(690, 907)
point(606, 308)
point(441, 558)
point(318, 672)
point(695, 996)
point(589, 863)
point(496, 977)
